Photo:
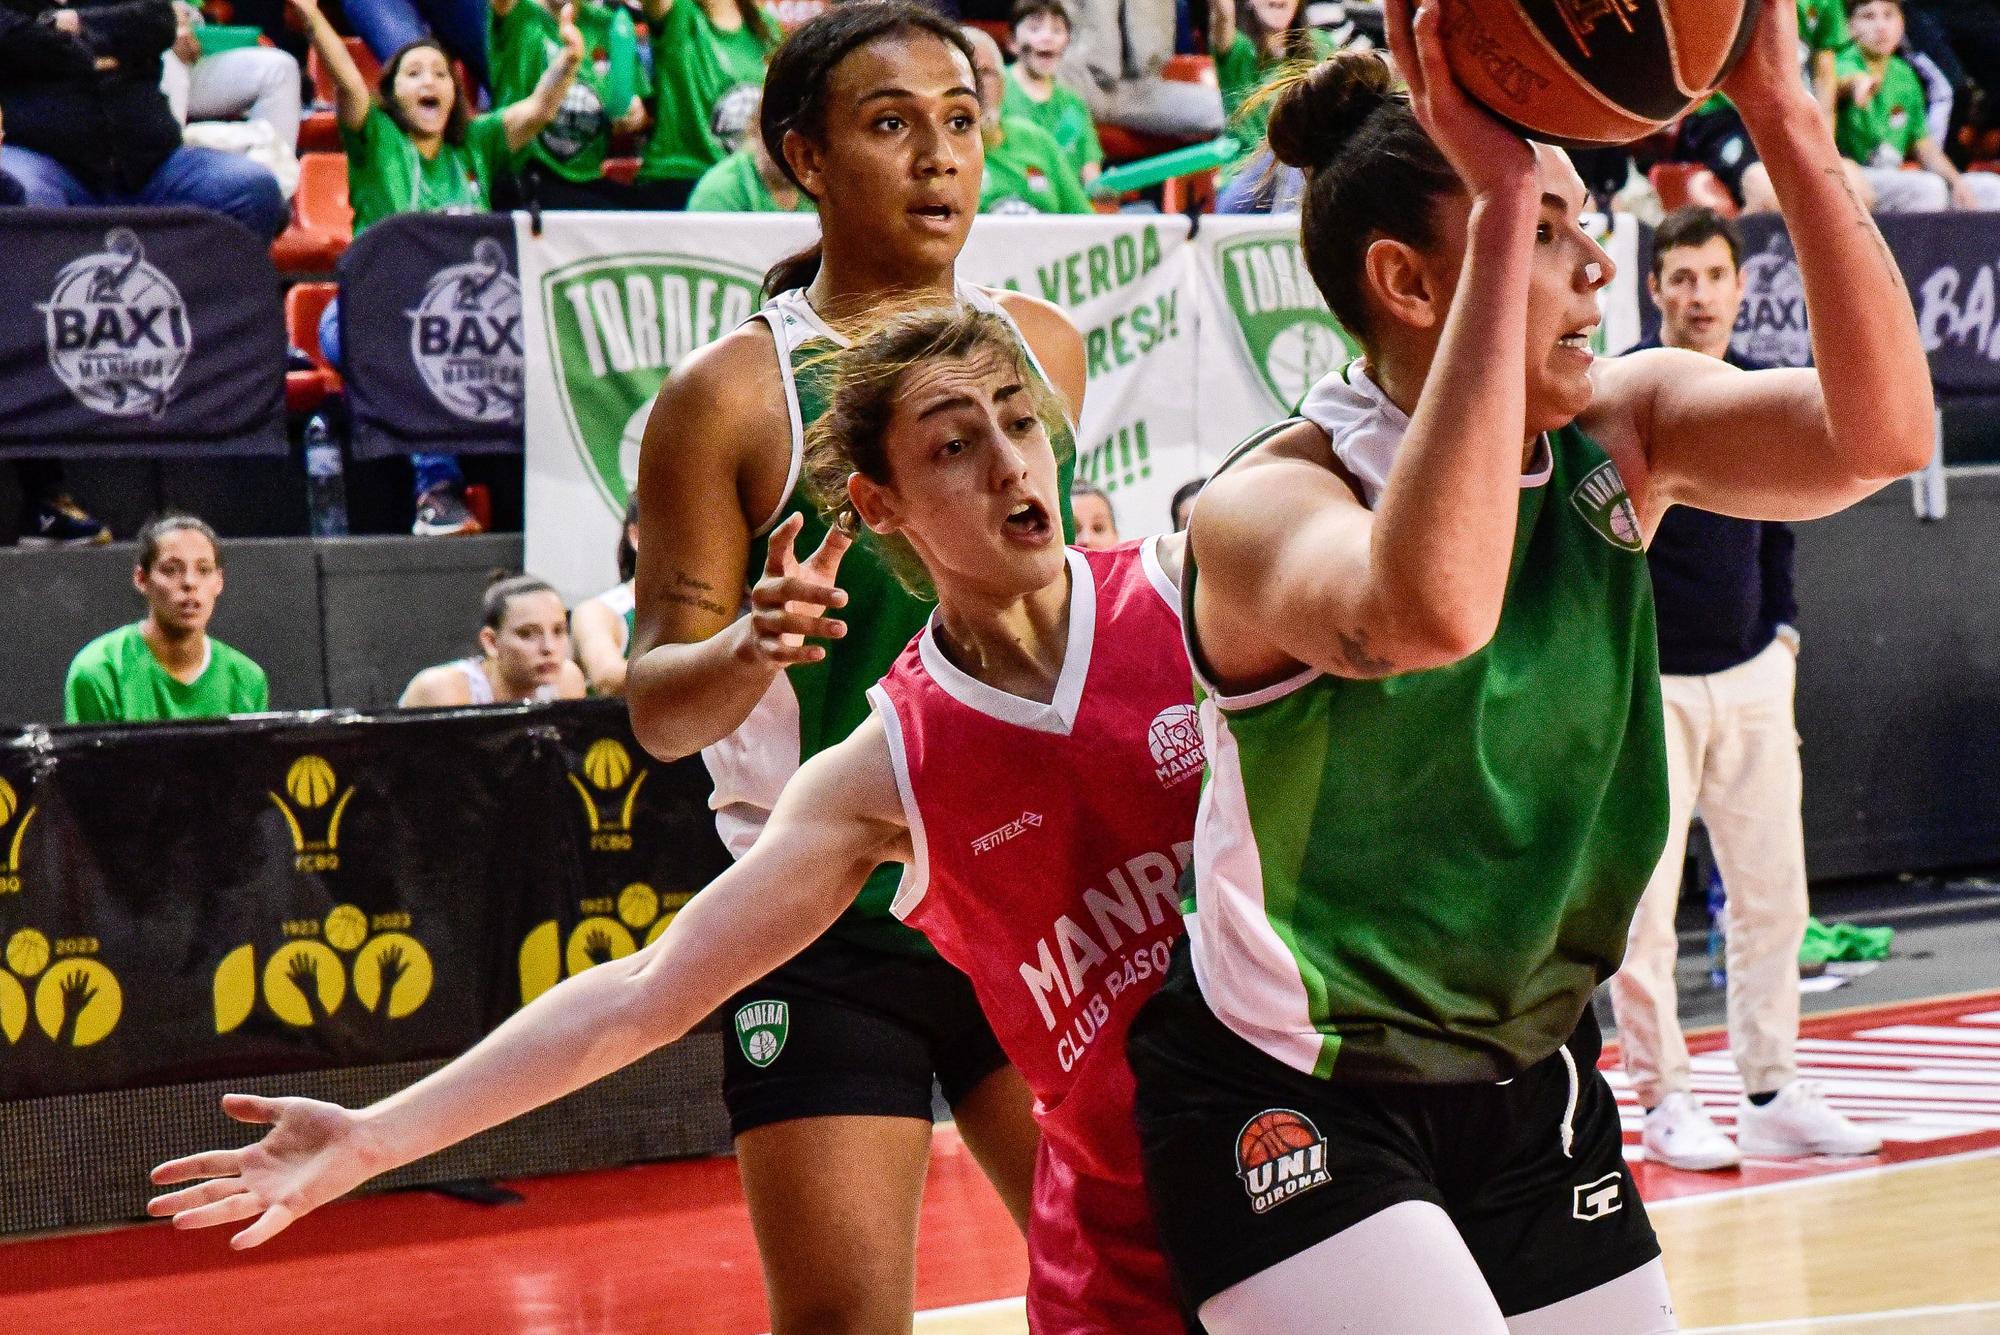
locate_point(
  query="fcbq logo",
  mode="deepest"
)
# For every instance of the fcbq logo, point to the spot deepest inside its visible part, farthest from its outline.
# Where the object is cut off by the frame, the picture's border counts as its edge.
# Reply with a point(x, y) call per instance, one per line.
point(118, 331)
point(75, 1000)
point(601, 937)
point(310, 783)
point(607, 765)
point(306, 979)
point(465, 336)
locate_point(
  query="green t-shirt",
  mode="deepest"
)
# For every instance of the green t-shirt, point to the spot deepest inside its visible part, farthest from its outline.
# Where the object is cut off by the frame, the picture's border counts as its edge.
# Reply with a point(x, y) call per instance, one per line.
point(1064, 117)
point(1882, 131)
point(708, 80)
point(386, 174)
point(524, 42)
point(733, 185)
point(1822, 27)
point(1027, 172)
point(116, 679)
point(1241, 72)
point(1435, 869)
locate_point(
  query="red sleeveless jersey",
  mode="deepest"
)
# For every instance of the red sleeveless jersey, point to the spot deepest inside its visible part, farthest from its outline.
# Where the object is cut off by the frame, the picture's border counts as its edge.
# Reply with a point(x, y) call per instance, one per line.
point(1049, 840)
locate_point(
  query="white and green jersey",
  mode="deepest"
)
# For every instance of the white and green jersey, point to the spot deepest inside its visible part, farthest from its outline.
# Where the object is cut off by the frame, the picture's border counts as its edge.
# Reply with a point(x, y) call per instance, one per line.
point(1422, 878)
point(812, 706)
point(621, 601)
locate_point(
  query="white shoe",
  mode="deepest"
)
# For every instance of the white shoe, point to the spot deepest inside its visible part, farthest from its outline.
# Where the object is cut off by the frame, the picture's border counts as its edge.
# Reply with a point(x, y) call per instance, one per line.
point(1679, 1134)
point(1797, 1123)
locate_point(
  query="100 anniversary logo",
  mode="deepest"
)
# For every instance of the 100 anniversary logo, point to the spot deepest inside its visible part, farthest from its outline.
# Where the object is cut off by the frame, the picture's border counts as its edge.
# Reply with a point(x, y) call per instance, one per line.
point(73, 996)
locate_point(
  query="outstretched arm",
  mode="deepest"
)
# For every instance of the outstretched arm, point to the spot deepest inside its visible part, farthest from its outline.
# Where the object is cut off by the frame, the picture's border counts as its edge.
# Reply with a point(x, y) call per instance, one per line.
point(351, 98)
point(839, 818)
point(531, 115)
point(1791, 444)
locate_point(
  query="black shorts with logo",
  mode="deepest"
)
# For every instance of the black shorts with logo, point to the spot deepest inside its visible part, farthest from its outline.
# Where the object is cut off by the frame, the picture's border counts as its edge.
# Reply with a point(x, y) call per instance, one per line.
point(1249, 1161)
point(843, 1029)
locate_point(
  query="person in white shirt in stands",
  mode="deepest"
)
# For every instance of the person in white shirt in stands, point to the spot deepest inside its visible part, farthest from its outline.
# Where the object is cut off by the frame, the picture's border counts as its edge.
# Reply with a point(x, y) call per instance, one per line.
point(602, 626)
point(524, 654)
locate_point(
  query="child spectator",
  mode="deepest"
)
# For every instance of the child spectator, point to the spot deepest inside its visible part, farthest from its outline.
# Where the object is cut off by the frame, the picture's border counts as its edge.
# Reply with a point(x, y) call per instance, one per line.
point(1026, 170)
point(708, 71)
point(747, 181)
point(564, 164)
point(167, 666)
point(1882, 122)
point(1041, 37)
point(523, 654)
point(420, 150)
point(1096, 524)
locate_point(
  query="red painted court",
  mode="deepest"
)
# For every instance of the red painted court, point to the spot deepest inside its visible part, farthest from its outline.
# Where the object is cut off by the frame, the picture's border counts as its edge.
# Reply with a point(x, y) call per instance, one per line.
point(667, 1247)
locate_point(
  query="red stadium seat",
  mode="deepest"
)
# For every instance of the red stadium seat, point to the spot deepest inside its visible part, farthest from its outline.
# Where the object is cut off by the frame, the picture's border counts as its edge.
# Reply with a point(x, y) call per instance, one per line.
point(624, 171)
point(322, 222)
point(1682, 183)
point(319, 132)
point(305, 391)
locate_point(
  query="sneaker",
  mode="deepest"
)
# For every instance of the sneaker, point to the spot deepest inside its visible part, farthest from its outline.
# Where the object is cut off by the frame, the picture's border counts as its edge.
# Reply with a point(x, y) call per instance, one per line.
point(1797, 1123)
point(1679, 1134)
point(441, 513)
point(61, 522)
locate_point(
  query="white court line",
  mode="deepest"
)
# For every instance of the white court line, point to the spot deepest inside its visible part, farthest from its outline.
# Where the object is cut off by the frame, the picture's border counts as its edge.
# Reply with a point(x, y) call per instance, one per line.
point(1807, 1322)
point(995, 1306)
point(1838, 1175)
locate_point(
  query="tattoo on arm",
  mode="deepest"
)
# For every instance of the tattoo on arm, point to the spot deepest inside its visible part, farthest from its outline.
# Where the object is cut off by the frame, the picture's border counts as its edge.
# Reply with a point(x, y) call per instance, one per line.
point(691, 592)
point(1866, 220)
point(1364, 661)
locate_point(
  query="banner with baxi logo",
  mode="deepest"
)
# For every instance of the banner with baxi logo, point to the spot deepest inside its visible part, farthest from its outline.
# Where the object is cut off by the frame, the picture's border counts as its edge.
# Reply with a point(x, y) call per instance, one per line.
point(612, 303)
point(185, 902)
point(138, 332)
point(430, 318)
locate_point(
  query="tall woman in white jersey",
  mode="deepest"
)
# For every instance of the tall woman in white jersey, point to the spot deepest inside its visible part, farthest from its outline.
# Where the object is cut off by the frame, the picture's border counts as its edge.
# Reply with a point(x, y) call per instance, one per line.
point(1424, 630)
point(870, 108)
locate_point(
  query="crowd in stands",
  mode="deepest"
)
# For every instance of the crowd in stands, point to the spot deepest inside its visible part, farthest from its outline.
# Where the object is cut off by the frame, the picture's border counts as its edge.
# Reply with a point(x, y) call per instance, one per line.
point(652, 104)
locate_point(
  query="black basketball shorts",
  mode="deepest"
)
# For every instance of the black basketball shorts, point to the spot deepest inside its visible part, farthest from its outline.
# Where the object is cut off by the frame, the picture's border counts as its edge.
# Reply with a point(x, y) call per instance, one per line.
point(844, 1030)
point(1249, 1162)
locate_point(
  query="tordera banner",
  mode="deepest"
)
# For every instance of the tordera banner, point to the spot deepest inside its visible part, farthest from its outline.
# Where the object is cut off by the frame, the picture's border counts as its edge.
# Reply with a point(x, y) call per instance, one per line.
point(1191, 344)
point(138, 332)
point(189, 902)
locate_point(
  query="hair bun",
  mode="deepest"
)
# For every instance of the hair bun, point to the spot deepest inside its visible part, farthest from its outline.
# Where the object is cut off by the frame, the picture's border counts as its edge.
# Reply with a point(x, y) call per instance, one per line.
point(1317, 113)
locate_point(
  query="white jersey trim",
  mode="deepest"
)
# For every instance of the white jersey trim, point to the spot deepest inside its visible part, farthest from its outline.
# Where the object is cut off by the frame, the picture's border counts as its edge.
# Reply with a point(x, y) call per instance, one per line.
point(1059, 714)
point(751, 766)
point(917, 873)
point(1156, 574)
point(1248, 975)
point(775, 316)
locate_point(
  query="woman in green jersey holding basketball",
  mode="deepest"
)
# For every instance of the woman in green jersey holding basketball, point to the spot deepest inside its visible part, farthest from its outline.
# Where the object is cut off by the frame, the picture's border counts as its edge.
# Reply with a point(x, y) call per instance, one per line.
point(872, 111)
point(1423, 632)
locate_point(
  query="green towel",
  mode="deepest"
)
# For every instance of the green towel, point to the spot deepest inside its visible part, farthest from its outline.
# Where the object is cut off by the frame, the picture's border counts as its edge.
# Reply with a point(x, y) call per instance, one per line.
point(1843, 941)
point(218, 37)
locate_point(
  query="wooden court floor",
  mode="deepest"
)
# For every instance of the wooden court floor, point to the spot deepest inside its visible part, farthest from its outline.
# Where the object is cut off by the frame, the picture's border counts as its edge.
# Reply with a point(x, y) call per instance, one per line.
point(1907, 1243)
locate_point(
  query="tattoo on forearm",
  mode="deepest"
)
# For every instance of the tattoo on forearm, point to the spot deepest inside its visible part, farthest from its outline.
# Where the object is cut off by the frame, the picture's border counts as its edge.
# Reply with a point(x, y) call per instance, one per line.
point(1866, 221)
point(1363, 660)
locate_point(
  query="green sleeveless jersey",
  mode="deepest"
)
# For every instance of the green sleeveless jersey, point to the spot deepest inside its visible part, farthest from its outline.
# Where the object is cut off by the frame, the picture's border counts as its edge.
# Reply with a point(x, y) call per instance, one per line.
point(1423, 878)
point(814, 705)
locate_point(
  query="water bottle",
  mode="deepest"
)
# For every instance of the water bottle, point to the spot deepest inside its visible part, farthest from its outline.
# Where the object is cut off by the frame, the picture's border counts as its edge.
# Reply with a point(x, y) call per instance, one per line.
point(326, 483)
point(1718, 935)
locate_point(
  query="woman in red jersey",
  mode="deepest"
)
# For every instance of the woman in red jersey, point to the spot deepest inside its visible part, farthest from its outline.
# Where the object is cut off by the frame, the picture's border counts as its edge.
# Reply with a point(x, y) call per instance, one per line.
point(1032, 758)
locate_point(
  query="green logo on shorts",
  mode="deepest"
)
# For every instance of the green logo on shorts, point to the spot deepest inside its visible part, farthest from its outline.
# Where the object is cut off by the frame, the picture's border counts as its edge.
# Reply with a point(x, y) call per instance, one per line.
point(1601, 499)
point(760, 1030)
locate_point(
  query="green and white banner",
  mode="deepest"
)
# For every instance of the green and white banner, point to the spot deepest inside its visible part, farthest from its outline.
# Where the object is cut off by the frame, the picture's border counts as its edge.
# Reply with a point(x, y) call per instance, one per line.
point(1190, 346)
point(611, 302)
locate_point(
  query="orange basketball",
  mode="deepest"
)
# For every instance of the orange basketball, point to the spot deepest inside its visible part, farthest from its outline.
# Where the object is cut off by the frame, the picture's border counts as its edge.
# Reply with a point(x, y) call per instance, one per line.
point(1271, 1135)
point(1582, 73)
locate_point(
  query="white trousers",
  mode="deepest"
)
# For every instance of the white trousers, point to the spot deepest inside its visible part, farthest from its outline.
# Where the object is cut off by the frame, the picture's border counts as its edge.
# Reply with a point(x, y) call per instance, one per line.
point(1732, 758)
point(1899, 191)
point(257, 82)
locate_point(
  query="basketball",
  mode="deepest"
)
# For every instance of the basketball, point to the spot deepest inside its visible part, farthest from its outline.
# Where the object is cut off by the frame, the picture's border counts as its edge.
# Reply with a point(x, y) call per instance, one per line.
point(1582, 73)
point(1271, 1135)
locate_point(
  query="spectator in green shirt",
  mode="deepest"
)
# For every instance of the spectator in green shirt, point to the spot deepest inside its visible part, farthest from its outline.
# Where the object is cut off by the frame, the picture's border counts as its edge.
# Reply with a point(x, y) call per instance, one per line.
point(1882, 126)
point(563, 165)
point(747, 181)
point(708, 71)
point(421, 150)
point(167, 666)
point(1026, 170)
point(1041, 38)
point(1252, 42)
